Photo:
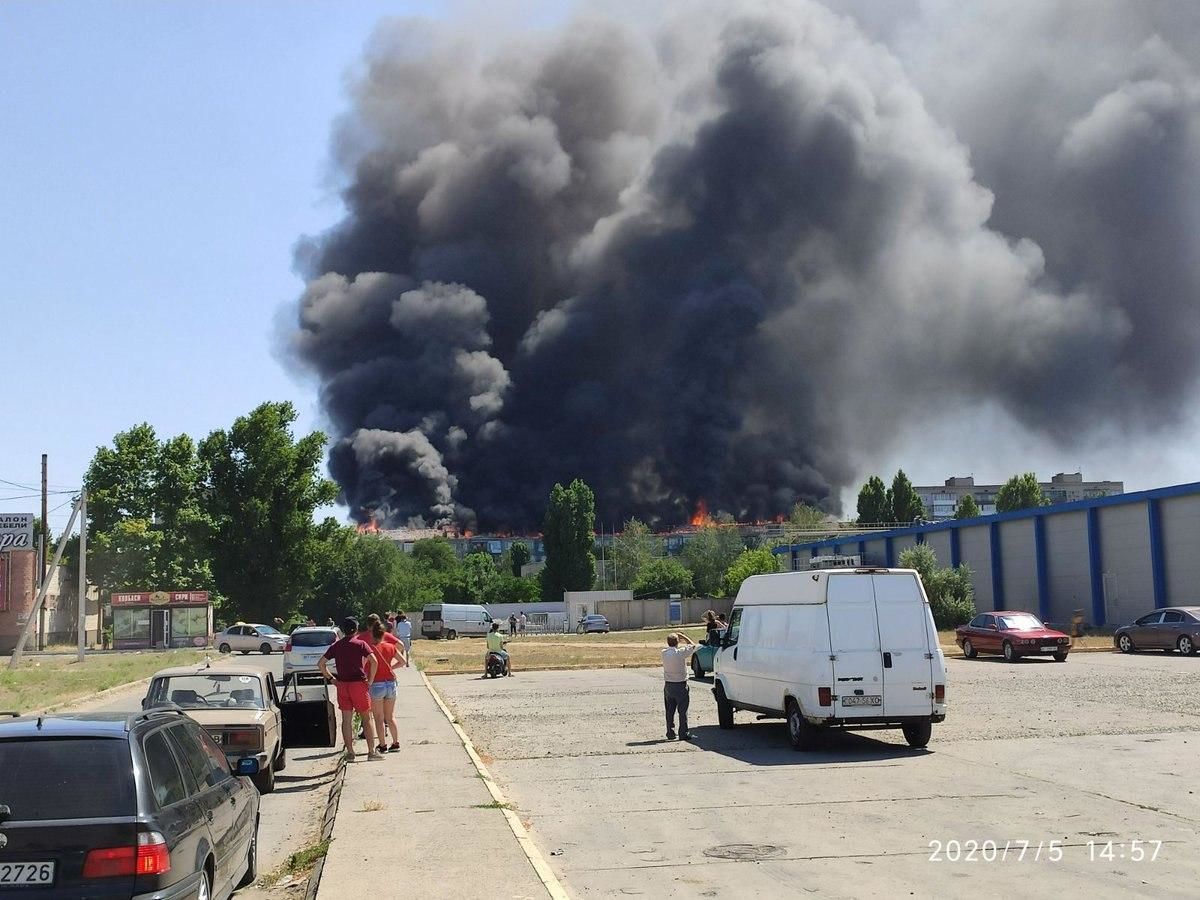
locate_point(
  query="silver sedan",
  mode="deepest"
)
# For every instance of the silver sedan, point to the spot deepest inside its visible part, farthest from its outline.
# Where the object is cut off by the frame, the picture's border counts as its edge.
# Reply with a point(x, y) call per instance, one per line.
point(251, 638)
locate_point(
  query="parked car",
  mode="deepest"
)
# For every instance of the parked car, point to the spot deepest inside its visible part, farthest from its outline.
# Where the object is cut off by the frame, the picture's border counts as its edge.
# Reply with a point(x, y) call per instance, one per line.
point(592, 624)
point(248, 638)
point(237, 705)
point(1173, 628)
point(833, 648)
point(705, 657)
point(305, 646)
point(449, 620)
point(110, 805)
point(1013, 635)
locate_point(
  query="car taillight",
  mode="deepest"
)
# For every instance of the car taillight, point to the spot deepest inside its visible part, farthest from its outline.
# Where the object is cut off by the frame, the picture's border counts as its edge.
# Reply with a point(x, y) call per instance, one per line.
point(243, 738)
point(939, 693)
point(149, 856)
point(825, 696)
point(287, 648)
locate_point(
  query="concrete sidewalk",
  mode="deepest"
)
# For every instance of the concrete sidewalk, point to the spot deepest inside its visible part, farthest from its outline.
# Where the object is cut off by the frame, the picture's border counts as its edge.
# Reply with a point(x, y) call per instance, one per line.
point(437, 829)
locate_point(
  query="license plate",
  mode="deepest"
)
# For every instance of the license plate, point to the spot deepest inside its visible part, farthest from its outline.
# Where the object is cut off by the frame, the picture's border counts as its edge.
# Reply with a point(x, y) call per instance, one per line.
point(12, 873)
point(217, 737)
point(1053, 648)
point(862, 701)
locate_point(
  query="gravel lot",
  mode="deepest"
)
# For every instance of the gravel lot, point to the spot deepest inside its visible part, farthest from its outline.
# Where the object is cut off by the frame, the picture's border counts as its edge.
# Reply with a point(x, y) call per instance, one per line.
point(1103, 747)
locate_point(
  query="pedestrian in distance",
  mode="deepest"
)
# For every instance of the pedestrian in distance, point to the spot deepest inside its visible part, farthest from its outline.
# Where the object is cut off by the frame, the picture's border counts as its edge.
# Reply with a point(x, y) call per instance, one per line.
point(512, 625)
point(404, 632)
point(356, 665)
point(521, 623)
point(675, 687)
point(389, 653)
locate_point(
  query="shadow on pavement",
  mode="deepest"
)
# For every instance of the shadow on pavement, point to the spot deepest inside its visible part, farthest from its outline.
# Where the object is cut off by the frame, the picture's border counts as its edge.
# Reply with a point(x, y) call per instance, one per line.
point(766, 744)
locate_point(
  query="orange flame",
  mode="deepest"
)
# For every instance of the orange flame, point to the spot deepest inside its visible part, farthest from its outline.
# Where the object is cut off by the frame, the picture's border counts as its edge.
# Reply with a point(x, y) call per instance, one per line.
point(369, 527)
point(701, 518)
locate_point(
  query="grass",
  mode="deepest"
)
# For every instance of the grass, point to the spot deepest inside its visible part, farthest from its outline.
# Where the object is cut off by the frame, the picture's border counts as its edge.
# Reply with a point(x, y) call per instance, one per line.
point(495, 804)
point(297, 864)
point(40, 682)
point(371, 806)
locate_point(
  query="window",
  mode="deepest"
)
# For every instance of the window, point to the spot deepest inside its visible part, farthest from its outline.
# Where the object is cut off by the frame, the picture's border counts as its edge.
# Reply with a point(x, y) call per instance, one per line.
point(1153, 619)
point(1023, 622)
point(210, 691)
point(323, 638)
point(189, 622)
point(735, 625)
point(58, 779)
point(219, 764)
point(978, 622)
point(195, 756)
point(1171, 616)
point(165, 777)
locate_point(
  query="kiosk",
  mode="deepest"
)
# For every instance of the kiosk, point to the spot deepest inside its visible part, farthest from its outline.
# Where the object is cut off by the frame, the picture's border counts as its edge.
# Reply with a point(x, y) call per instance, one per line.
point(147, 620)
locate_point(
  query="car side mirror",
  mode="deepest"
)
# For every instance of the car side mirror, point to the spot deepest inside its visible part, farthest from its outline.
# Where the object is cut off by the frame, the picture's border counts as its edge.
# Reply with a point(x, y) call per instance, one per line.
point(247, 766)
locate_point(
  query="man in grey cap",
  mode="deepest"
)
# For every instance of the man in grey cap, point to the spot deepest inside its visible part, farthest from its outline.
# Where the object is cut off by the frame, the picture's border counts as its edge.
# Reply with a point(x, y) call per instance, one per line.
point(675, 688)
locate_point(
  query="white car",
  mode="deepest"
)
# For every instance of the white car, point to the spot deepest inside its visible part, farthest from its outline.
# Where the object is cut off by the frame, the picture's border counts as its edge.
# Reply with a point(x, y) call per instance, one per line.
point(307, 645)
point(250, 638)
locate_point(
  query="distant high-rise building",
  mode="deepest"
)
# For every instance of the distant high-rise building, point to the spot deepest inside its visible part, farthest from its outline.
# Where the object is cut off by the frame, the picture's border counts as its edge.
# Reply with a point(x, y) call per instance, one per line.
point(941, 500)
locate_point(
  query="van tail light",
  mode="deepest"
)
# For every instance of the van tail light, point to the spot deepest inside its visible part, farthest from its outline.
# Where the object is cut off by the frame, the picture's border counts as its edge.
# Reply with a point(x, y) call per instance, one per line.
point(825, 696)
point(939, 693)
point(149, 856)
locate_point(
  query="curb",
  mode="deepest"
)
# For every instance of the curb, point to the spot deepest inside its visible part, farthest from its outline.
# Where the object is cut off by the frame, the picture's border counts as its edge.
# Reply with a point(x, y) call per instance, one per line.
point(331, 807)
point(549, 880)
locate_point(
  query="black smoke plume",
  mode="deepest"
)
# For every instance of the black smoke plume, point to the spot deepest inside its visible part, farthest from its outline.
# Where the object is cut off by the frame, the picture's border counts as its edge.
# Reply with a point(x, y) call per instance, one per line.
point(732, 257)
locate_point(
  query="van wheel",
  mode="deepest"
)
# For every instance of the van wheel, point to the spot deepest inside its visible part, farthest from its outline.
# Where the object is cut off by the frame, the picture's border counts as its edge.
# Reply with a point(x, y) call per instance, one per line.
point(1010, 655)
point(724, 708)
point(697, 669)
point(451, 635)
point(917, 734)
point(265, 781)
point(803, 734)
point(969, 650)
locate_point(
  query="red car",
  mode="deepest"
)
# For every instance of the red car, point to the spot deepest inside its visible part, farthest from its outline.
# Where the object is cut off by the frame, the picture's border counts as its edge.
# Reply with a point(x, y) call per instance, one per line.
point(1011, 634)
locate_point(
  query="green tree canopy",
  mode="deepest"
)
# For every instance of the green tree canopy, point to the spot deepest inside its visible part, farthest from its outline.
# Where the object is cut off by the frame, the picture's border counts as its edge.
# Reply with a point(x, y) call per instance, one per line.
point(436, 553)
point(518, 556)
point(873, 505)
point(635, 546)
point(261, 488)
point(709, 554)
point(906, 505)
point(661, 578)
point(1020, 492)
point(966, 508)
point(749, 562)
point(570, 537)
point(951, 593)
point(478, 573)
point(508, 588)
point(807, 516)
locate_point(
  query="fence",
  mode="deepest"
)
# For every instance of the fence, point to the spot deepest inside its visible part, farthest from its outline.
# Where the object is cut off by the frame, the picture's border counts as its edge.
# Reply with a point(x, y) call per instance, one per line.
point(656, 612)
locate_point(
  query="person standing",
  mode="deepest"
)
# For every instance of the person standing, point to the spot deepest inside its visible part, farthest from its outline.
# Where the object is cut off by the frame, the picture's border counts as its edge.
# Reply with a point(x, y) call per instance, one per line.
point(675, 687)
point(356, 666)
point(389, 653)
point(512, 625)
point(404, 632)
point(521, 623)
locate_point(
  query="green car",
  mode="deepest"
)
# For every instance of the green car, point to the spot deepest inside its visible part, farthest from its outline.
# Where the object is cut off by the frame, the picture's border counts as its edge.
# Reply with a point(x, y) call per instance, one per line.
point(705, 656)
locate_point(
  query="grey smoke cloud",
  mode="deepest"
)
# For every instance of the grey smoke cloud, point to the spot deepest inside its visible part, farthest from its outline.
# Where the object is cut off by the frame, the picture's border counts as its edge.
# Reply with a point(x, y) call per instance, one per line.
point(727, 257)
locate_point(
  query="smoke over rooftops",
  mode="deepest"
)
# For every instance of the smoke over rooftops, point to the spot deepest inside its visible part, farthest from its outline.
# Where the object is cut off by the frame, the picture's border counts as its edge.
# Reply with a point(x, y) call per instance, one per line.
point(728, 259)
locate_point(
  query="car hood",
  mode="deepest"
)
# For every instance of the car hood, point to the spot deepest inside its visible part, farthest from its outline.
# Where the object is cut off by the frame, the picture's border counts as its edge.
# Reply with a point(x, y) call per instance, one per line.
point(211, 718)
point(1038, 634)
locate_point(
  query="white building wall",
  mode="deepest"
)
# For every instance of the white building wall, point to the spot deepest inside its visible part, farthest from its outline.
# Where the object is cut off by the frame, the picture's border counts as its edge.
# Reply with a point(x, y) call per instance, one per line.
point(1125, 559)
point(1018, 559)
point(939, 543)
point(876, 552)
point(975, 547)
point(1180, 520)
point(900, 544)
point(1070, 579)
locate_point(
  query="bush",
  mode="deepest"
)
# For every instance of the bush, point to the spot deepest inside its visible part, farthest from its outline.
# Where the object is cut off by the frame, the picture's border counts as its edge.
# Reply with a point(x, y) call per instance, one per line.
point(750, 562)
point(951, 594)
point(661, 578)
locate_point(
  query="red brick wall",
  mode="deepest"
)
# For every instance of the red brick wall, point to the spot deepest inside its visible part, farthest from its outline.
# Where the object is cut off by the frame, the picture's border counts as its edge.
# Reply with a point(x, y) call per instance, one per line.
point(17, 570)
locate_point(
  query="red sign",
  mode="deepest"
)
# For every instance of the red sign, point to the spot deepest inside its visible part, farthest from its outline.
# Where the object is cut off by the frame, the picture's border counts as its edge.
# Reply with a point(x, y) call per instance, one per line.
point(159, 598)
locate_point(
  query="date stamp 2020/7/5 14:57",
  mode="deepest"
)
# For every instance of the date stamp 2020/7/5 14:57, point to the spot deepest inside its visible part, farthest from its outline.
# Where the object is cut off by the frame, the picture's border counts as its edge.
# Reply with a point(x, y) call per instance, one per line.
point(1021, 850)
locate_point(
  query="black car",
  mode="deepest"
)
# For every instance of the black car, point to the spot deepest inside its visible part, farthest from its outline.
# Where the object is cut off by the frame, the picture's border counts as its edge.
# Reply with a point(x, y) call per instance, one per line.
point(113, 805)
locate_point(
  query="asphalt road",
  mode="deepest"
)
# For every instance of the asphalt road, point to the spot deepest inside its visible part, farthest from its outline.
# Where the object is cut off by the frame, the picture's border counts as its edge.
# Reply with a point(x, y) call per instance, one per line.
point(290, 816)
point(1100, 748)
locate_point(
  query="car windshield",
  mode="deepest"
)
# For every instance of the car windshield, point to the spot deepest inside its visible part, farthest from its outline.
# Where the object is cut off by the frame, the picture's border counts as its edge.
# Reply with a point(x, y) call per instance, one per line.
point(211, 691)
point(1023, 622)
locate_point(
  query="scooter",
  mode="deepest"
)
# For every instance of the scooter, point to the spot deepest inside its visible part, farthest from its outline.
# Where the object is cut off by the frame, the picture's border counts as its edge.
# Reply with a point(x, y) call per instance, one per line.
point(495, 665)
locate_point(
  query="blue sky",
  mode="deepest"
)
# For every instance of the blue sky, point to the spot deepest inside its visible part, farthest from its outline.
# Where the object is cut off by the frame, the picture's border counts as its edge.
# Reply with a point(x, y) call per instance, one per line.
point(159, 162)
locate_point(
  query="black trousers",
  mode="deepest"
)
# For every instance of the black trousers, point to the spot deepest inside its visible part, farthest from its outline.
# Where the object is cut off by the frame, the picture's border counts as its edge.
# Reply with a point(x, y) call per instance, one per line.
point(676, 697)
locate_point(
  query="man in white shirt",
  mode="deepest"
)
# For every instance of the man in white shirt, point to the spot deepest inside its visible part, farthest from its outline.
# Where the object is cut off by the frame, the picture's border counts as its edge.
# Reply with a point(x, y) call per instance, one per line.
point(521, 623)
point(403, 630)
point(675, 688)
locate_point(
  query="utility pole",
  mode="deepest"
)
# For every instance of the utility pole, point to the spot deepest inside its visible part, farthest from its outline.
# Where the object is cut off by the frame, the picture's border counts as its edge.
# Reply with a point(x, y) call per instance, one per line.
point(45, 525)
point(19, 649)
point(81, 602)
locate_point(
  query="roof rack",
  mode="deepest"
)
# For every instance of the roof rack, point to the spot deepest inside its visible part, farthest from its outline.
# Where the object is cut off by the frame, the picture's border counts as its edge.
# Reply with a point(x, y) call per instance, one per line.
point(159, 709)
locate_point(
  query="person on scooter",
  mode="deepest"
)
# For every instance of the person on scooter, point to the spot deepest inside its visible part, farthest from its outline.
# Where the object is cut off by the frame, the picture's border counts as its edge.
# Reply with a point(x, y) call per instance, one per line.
point(495, 644)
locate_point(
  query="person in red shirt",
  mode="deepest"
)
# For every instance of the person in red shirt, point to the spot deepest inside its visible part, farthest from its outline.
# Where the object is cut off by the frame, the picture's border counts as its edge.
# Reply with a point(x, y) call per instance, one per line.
point(389, 653)
point(356, 669)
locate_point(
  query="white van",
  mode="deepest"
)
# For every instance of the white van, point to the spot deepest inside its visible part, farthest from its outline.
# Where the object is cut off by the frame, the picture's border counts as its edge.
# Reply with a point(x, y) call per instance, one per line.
point(449, 620)
point(844, 648)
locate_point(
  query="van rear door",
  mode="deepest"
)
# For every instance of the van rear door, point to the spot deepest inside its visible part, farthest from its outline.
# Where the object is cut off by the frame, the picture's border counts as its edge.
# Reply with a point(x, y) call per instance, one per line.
point(854, 646)
point(904, 640)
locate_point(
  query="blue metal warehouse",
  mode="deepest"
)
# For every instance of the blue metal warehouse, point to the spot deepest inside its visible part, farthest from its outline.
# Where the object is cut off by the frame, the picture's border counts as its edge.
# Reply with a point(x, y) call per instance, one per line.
point(1113, 557)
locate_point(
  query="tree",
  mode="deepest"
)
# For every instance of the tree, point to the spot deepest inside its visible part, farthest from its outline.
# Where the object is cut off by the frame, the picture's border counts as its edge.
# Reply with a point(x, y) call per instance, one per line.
point(906, 505)
point(661, 578)
point(635, 546)
point(873, 505)
point(478, 573)
point(1020, 492)
point(260, 490)
point(569, 535)
point(809, 517)
point(951, 593)
point(967, 508)
point(749, 562)
point(519, 555)
point(709, 554)
point(510, 589)
point(436, 553)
